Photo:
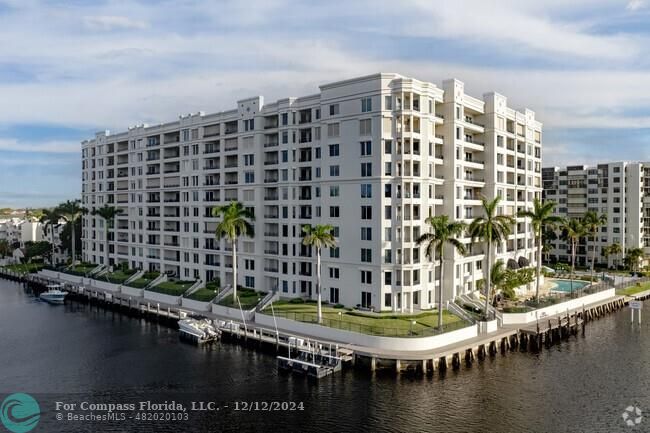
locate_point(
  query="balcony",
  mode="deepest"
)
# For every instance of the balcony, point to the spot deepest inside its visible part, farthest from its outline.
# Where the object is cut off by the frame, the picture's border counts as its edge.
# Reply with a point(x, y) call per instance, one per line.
point(231, 127)
point(271, 122)
point(271, 140)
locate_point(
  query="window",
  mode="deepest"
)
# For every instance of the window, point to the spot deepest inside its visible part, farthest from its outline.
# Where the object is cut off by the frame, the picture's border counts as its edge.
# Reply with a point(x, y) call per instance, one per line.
point(285, 118)
point(366, 190)
point(366, 212)
point(365, 127)
point(366, 105)
point(249, 177)
point(366, 148)
point(387, 212)
point(387, 190)
point(366, 169)
point(366, 255)
point(334, 149)
point(366, 277)
point(334, 295)
point(335, 253)
point(249, 282)
point(388, 144)
point(334, 170)
point(366, 233)
point(388, 102)
point(334, 211)
point(249, 159)
point(334, 273)
point(388, 256)
point(333, 130)
point(366, 299)
point(388, 169)
point(334, 191)
point(334, 109)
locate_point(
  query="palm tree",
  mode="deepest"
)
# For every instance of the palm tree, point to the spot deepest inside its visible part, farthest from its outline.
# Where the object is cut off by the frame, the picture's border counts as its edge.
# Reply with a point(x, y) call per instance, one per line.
point(319, 237)
point(633, 256)
point(498, 275)
point(70, 211)
point(541, 217)
point(235, 222)
point(442, 232)
point(548, 236)
point(615, 249)
point(492, 229)
point(108, 214)
point(592, 222)
point(50, 218)
point(5, 248)
point(573, 230)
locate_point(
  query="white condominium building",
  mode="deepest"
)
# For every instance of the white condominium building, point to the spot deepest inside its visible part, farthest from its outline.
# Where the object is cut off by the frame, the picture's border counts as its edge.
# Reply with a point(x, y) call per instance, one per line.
point(372, 156)
point(620, 190)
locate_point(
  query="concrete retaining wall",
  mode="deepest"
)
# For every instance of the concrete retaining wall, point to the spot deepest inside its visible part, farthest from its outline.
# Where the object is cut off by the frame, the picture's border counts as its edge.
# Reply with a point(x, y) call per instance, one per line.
point(161, 297)
point(233, 313)
point(105, 285)
point(573, 304)
point(195, 305)
point(47, 273)
point(388, 343)
point(132, 291)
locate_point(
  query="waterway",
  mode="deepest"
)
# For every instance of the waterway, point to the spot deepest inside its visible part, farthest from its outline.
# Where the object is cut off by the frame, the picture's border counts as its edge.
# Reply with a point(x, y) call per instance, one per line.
point(80, 353)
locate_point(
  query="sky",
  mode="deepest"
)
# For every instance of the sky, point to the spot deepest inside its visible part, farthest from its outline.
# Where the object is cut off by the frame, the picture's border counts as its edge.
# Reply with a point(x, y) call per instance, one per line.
point(71, 68)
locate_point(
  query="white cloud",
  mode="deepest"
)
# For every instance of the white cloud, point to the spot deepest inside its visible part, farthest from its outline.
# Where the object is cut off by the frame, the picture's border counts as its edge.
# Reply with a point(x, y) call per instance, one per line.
point(634, 5)
point(112, 22)
point(11, 144)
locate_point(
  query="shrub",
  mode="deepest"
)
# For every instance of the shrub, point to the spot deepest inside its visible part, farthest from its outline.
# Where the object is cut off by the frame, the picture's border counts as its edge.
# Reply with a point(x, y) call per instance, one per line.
point(339, 306)
point(297, 301)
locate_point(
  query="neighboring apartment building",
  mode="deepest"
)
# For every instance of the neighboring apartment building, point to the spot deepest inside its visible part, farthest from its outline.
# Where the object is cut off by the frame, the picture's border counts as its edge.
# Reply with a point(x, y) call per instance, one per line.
point(18, 230)
point(620, 190)
point(373, 156)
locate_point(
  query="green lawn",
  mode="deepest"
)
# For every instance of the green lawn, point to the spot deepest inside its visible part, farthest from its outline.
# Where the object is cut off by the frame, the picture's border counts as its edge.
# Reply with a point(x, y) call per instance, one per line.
point(633, 290)
point(143, 281)
point(118, 277)
point(25, 268)
point(174, 288)
point(81, 269)
point(247, 297)
point(203, 295)
point(387, 323)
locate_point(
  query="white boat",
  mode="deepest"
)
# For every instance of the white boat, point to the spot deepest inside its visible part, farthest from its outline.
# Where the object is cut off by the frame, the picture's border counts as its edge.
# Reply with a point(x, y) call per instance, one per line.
point(199, 330)
point(54, 294)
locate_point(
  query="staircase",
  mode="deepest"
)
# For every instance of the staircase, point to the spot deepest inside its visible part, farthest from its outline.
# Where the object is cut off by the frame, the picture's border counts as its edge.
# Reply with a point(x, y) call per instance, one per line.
point(273, 295)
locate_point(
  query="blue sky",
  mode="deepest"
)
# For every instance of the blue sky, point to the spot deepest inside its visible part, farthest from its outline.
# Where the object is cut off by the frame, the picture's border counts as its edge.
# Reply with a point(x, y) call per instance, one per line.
point(70, 68)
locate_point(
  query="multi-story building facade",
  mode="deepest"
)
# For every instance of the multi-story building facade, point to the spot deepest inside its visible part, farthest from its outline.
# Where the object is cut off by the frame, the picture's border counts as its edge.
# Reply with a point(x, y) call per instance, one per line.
point(619, 190)
point(372, 156)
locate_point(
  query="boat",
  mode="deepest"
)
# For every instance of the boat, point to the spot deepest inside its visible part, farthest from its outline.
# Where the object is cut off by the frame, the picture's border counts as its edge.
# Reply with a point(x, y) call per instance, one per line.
point(53, 294)
point(199, 330)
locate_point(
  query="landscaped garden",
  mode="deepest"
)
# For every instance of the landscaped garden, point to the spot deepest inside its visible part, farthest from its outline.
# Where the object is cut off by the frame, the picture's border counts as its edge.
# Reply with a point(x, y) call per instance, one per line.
point(203, 295)
point(173, 288)
point(144, 280)
point(248, 298)
point(383, 323)
point(81, 269)
point(119, 276)
point(633, 290)
point(25, 268)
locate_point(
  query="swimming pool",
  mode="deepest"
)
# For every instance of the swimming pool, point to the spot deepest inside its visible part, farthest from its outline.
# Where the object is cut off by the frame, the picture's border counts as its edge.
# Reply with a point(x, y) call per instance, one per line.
point(565, 285)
